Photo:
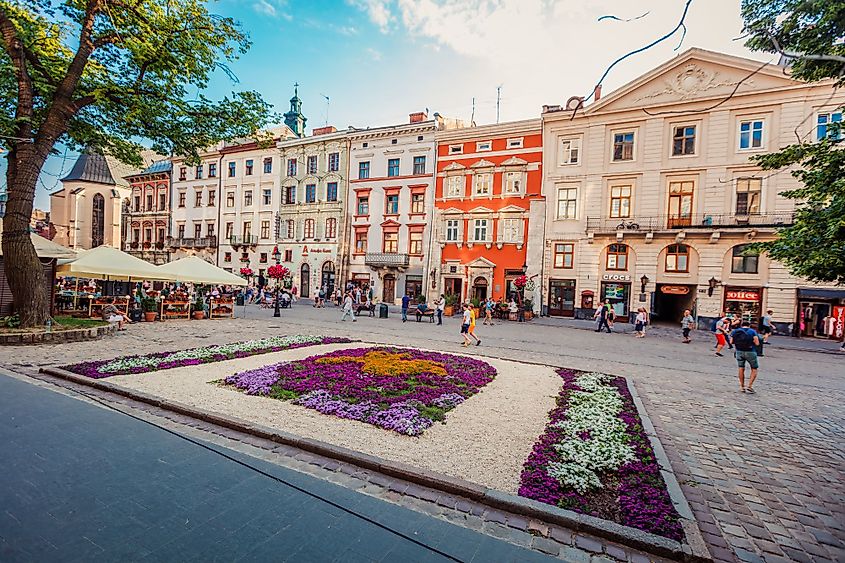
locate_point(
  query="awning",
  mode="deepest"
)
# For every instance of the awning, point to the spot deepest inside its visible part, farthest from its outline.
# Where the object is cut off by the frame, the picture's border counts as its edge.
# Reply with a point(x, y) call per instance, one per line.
point(45, 248)
point(106, 263)
point(820, 293)
point(196, 270)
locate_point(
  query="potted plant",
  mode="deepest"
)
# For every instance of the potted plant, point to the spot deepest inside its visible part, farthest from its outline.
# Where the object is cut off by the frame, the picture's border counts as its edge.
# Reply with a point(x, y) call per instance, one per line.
point(529, 309)
point(199, 309)
point(449, 307)
point(476, 305)
point(150, 308)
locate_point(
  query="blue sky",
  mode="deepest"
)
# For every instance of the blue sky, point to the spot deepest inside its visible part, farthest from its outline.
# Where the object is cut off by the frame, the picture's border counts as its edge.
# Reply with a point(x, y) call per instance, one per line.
point(379, 60)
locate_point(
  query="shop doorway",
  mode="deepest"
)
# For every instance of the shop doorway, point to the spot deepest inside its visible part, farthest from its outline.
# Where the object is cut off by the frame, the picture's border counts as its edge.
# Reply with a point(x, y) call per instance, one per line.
point(305, 281)
point(745, 303)
point(413, 286)
point(619, 297)
point(812, 319)
point(388, 290)
point(327, 279)
point(453, 286)
point(479, 288)
point(561, 298)
point(670, 301)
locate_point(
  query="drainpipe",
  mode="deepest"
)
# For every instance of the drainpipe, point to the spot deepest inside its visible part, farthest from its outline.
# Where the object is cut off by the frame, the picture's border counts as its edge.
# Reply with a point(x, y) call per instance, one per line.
point(219, 206)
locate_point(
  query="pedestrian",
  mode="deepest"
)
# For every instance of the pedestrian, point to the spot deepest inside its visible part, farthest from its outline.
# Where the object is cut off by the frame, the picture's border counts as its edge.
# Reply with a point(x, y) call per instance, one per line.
point(468, 325)
point(347, 308)
point(639, 326)
point(687, 324)
point(722, 333)
point(441, 305)
point(611, 316)
point(601, 316)
point(746, 340)
point(406, 302)
point(767, 327)
point(488, 311)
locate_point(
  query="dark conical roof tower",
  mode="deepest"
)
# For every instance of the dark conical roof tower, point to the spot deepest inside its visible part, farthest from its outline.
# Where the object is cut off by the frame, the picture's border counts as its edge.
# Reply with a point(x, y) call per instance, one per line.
point(294, 118)
point(91, 166)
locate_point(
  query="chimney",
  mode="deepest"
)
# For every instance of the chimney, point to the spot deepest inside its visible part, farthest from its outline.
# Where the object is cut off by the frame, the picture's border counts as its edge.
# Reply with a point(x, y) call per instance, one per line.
point(418, 117)
point(323, 130)
point(597, 92)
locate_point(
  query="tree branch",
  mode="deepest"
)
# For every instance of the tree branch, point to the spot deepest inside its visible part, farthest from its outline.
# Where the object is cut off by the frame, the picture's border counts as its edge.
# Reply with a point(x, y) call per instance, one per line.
point(14, 47)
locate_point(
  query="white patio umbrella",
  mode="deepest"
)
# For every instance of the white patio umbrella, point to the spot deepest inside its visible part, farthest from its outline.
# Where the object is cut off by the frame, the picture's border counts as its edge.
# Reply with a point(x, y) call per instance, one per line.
point(106, 263)
point(196, 270)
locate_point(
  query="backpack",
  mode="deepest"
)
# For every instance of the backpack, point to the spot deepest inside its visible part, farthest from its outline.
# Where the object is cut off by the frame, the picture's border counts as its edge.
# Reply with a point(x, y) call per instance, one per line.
point(742, 340)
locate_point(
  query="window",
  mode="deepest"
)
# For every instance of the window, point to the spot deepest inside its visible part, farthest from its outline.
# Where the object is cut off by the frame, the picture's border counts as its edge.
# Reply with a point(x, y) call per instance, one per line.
point(570, 151)
point(483, 183)
point(360, 242)
point(455, 186)
point(290, 195)
point(391, 204)
point(748, 195)
point(291, 167)
point(227, 256)
point(331, 227)
point(182, 197)
point(334, 162)
point(247, 198)
point(290, 225)
point(680, 203)
point(513, 182)
point(364, 170)
point(309, 229)
point(515, 143)
point(750, 134)
point(563, 255)
point(288, 255)
point(267, 196)
point(162, 201)
point(199, 172)
point(198, 198)
point(268, 165)
point(230, 199)
point(456, 149)
point(623, 146)
point(183, 173)
point(824, 122)
point(677, 258)
point(247, 231)
point(480, 232)
point(419, 165)
point(312, 164)
point(212, 170)
point(483, 146)
point(262, 257)
point(620, 201)
point(415, 242)
point(230, 230)
point(310, 193)
point(231, 170)
point(417, 203)
point(211, 197)
point(393, 167)
point(363, 205)
point(743, 261)
point(567, 199)
point(617, 257)
point(390, 243)
point(197, 230)
point(210, 229)
point(181, 230)
point(394, 141)
point(265, 229)
point(150, 202)
point(512, 230)
point(331, 191)
point(136, 235)
point(452, 230)
point(683, 140)
point(137, 203)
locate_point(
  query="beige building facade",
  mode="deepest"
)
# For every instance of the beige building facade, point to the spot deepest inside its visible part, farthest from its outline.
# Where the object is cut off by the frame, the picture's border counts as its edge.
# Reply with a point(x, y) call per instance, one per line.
point(651, 194)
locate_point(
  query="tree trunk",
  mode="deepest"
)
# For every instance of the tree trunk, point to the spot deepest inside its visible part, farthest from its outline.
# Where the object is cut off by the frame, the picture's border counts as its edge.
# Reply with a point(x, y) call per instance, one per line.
point(23, 268)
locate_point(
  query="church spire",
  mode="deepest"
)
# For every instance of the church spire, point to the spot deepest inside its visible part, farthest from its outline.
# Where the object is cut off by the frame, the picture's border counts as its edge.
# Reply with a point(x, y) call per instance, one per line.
point(294, 118)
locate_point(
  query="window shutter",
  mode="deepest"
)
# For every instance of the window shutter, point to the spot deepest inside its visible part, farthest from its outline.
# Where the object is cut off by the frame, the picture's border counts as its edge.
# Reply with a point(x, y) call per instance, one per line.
point(500, 229)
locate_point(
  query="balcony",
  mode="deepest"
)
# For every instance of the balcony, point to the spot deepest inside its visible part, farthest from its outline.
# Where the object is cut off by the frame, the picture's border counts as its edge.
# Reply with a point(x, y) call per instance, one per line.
point(192, 242)
point(386, 260)
point(703, 221)
point(246, 240)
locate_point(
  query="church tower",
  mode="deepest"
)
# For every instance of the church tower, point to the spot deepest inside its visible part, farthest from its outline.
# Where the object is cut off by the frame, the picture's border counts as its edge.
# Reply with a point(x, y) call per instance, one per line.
point(294, 118)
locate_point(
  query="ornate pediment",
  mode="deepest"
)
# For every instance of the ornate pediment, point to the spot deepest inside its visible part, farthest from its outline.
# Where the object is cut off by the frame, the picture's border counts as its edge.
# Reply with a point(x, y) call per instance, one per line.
point(514, 161)
point(454, 166)
point(480, 209)
point(481, 262)
point(482, 164)
point(452, 211)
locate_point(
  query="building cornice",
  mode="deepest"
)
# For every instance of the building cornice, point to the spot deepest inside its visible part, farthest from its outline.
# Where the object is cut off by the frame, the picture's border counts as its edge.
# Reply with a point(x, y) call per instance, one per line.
point(486, 132)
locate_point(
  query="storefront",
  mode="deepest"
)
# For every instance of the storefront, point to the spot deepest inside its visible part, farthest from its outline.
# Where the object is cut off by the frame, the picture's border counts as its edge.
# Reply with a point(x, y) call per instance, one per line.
point(413, 286)
point(821, 312)
point(671, 300)
point(745, 302)
point(616, 290)
point(561, 298)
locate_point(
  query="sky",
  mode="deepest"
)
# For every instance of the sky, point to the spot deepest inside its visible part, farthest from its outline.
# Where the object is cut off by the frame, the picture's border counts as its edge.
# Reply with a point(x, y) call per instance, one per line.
point(379, 60)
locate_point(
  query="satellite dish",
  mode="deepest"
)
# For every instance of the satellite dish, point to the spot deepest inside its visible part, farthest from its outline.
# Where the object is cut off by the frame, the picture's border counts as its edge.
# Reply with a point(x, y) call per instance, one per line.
point(574, 102)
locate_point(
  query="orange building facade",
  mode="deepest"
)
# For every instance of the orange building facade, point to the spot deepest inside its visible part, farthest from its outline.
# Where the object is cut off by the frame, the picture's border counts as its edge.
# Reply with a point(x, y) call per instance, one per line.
point(489, 210)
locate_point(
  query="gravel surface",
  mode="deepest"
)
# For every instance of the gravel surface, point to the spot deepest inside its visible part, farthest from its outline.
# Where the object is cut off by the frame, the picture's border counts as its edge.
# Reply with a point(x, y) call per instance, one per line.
point(485, 440)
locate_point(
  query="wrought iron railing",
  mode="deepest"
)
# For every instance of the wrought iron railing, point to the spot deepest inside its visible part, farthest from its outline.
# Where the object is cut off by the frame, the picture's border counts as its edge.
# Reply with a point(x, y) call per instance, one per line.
point(695, 221)
point(386, 259)
point(245, 240)
point(201, 242)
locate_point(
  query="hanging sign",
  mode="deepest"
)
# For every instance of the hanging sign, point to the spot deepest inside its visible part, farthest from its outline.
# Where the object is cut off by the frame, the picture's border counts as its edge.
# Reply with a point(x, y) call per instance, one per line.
point(674, 289)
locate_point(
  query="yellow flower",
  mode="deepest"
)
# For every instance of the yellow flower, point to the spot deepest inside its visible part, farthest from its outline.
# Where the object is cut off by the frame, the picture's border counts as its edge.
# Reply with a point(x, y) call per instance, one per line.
point(391, 364)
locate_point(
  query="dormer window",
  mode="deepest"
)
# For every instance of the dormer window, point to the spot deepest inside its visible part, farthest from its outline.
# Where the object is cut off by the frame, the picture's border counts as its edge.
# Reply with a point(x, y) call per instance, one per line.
point(483, 146)
point(456, 149)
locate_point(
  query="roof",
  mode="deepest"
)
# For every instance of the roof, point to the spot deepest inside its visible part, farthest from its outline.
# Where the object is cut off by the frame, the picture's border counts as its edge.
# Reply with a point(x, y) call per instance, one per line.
point(159, 167)
point(46, 248)
point(91, 167)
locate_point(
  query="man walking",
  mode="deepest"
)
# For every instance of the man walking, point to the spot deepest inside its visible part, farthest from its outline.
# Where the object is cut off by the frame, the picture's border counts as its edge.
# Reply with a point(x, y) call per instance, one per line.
point(746, 340)
point(468, 325)
point(347, 308)
point(768, 327)
point(441, 305)
point(722, 331)
point(687, 324)
point(601, 314)
point(406, 302)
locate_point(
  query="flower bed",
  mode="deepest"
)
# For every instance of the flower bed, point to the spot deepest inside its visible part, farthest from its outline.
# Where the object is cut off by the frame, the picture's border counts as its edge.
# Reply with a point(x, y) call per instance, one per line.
point(595, 458)
point(398, 389)
point(166, 360)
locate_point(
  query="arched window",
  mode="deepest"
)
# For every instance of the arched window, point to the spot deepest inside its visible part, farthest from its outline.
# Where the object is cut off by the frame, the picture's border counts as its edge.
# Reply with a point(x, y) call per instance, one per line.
point(309, 228)
point(743, 261)
point(677, 258)
point(305, 281)
point(98, 220)
point(331, 227)
point(617, 257)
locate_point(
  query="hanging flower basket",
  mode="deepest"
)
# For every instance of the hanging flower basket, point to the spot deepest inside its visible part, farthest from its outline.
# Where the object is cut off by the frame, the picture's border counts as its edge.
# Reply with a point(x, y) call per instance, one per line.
point(246, 272)
point(278, 272)
point(520, 282)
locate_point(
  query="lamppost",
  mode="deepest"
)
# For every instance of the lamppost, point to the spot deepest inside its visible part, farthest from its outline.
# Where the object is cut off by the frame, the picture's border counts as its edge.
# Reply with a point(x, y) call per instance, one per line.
point(277, 256)
point(643, 282)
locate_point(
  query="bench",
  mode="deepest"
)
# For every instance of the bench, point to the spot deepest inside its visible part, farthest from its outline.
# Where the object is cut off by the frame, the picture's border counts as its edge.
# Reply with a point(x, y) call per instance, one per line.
point(429, 313)
point(357, 308)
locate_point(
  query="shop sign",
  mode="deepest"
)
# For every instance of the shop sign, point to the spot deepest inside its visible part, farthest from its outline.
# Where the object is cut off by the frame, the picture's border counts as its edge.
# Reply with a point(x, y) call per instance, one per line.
point(746, 295)
point(305, 250)
point(616, 277)
point(674, 289)
point(614, 291)
point(839, 318)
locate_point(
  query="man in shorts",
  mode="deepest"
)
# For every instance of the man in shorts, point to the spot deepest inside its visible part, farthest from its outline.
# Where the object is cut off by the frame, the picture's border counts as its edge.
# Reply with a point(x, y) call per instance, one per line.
point(722, 333)
point(687, 324)
point(113, 315)
point(746, 341)
point(767, 328)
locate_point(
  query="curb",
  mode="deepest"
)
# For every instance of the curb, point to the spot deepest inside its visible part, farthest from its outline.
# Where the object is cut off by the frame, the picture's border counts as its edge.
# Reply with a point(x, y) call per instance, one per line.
point(58, 336)
point(651, 543)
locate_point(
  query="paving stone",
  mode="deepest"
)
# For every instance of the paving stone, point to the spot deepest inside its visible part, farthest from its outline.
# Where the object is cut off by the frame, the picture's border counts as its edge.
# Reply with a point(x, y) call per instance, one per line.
point(573, 555)
point(546, 546)
point(588, 543)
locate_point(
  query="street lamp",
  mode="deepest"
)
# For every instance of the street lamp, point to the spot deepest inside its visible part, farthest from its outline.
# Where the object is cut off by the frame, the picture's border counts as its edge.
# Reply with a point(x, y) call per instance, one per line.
point(643, 283)
point(712, 283)
point(277, 256)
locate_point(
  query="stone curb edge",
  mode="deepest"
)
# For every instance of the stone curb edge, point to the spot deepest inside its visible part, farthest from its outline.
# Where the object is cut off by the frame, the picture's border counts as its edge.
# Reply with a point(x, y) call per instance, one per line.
point(611, 531)
point(57, 336)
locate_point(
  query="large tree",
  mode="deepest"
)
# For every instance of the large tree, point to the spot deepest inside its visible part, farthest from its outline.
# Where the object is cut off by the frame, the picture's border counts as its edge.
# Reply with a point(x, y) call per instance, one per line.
point(811, 34)
point(109, 75)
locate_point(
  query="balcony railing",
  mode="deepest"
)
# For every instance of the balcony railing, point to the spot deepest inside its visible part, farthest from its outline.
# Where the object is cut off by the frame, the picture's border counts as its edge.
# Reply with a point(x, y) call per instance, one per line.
point(247, 240)
point(202, 242)
point(697, 221)
point(386, 260)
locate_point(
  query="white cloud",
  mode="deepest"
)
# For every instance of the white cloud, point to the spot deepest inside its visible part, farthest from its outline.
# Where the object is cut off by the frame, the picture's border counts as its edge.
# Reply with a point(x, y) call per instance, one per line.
point(374, 54)
point(272, 8)
point(377, 10)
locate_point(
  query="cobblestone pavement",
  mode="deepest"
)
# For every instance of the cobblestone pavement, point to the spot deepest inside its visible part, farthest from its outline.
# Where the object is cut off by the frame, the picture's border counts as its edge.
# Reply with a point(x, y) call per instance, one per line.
point(764, 473)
